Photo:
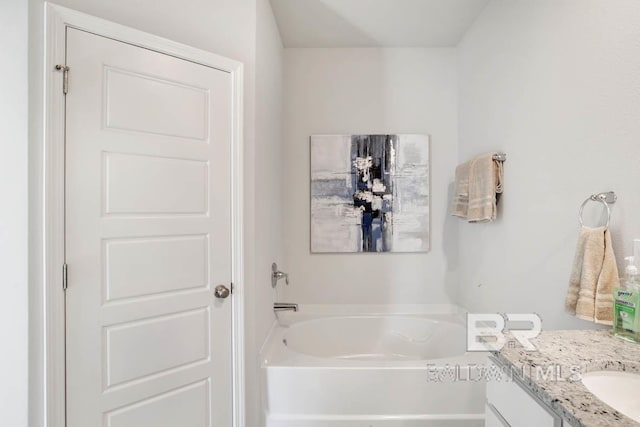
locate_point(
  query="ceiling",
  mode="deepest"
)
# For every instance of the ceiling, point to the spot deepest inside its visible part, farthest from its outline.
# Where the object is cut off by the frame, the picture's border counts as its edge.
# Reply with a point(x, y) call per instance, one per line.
point(374, 23)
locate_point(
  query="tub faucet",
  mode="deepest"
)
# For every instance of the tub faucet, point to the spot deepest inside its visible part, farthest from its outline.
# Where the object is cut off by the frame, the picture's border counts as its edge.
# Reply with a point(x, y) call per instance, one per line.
point(284, 306)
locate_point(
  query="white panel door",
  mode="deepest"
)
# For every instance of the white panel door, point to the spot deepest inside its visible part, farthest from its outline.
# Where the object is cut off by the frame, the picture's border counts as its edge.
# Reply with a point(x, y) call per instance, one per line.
point(148, 237)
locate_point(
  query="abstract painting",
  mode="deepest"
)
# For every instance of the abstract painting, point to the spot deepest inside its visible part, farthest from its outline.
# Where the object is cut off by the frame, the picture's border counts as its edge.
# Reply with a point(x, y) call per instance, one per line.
point(369, 193)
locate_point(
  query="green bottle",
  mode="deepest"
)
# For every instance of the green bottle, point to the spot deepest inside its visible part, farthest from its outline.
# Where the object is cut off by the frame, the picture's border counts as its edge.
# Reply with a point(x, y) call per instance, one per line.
point(626, 302)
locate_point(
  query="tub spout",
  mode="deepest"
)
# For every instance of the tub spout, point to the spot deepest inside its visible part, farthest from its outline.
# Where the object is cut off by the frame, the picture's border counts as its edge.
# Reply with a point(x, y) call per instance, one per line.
point(285, 306)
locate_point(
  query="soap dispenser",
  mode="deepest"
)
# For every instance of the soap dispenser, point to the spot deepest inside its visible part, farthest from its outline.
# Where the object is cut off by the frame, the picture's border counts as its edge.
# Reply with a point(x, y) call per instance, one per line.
point(631, 276)
point(625, 304)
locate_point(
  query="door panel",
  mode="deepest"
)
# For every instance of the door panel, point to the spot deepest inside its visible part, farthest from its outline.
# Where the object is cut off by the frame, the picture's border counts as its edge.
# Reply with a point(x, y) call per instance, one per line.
point(148, 237)
point(144, 103)
point(167, 410)
point(126, 274)
point(147, 341)
point(143, 184)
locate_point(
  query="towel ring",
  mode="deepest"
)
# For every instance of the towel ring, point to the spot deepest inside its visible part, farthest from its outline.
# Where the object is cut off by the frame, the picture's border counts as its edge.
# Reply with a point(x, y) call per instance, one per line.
point(605, 199)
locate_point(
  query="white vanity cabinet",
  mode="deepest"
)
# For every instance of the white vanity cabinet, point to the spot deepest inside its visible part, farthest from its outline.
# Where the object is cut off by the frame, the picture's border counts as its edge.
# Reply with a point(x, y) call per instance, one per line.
point(509, 404)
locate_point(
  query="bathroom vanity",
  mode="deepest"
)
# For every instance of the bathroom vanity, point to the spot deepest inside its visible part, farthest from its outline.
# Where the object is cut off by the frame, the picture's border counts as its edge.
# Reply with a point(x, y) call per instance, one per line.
point(549, 387)
point(510, 402)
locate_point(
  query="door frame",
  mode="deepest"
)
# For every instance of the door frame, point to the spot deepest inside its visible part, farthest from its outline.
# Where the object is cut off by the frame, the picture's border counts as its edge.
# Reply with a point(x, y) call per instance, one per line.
point(57, 20)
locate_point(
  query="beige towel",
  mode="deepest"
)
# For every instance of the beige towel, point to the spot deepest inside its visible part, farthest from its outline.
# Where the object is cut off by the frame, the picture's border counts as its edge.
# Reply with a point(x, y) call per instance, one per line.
point(485, 182)
point(461, 191)
point(594, 275)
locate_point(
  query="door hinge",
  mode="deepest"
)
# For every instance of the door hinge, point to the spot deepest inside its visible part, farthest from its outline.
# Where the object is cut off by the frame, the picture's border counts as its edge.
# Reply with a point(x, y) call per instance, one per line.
point(65, 77)
point(65, 283)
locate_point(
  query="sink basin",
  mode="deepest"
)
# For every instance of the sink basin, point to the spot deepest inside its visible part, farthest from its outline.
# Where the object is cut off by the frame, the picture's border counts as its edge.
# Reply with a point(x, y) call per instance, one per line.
point(617, 389)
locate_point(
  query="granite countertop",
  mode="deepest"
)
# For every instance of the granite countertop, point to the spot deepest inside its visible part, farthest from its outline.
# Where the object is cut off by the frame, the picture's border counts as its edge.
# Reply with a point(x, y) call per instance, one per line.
point(570, 353)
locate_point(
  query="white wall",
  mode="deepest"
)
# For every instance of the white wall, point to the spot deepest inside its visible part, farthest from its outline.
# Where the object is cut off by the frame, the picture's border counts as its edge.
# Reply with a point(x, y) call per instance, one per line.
point(14, 212)
point(268, 197)
point(345, 91)
point(36, 295)
point(556, 85)
point(225, 27)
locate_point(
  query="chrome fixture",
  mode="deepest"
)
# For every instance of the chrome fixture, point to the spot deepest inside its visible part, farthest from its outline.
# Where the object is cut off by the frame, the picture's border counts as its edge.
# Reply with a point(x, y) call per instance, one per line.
point(277, 275)
point(606, 199)
point(284, 306)
point(221, 291)
point(500, 157)
point(65, 77)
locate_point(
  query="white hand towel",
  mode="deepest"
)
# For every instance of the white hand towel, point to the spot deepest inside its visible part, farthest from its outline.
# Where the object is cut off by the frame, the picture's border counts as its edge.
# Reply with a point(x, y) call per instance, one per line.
point(594, 275)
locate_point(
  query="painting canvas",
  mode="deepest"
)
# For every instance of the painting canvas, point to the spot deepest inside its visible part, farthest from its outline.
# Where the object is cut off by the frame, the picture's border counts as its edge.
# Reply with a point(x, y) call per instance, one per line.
point(369, 193)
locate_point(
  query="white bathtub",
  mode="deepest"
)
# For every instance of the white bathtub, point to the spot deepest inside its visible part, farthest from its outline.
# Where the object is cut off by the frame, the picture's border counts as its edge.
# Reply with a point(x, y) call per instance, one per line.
point(388, 369)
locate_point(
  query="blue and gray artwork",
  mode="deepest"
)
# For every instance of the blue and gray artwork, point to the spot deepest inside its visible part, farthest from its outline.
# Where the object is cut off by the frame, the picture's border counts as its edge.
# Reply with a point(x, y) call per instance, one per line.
point(369, 193)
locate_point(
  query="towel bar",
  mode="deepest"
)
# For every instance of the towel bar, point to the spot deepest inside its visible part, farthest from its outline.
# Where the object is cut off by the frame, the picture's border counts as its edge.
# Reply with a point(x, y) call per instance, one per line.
point(606, 199)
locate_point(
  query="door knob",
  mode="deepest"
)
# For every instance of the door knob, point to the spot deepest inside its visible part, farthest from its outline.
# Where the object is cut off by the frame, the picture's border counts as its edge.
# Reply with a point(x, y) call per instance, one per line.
point(221, 291)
